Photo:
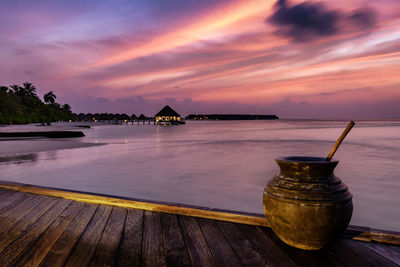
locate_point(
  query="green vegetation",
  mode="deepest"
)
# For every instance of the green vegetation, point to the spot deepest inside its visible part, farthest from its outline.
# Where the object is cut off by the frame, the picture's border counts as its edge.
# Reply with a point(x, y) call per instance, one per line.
point(103, 117)
point(21, 105)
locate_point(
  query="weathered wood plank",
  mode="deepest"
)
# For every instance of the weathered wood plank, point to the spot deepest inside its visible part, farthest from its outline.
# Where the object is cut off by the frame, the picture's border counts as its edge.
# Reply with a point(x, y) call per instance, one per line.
point(367, 234)
point(176, 253)
point(243, 248)
point(130, 251)
point(136, 204)
point(200, 253)
point(12, 252)
point(390, 252)
point(368, 255)
point(8, 197)
point(84, 249)
point(153, 248)
point(38, 230)
point(345, 256)
point(17, 210)
point(29, 218)
point(106, 251)
point(268, 250)
point(220, 247)
point(3, 191)
point(303, 257)
point(36, 253)
point(66, 242)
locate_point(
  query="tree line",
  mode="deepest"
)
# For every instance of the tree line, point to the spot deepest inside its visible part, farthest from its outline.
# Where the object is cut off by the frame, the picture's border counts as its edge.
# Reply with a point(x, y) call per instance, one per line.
point(107, 117)
point(21, 105)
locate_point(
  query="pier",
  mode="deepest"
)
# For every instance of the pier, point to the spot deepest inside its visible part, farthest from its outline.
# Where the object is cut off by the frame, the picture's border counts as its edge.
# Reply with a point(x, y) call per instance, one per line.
point(53, 227)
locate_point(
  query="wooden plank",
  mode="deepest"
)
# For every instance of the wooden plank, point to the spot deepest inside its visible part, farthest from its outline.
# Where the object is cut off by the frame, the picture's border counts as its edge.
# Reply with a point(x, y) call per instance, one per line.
point(8, 197)
point(303, 257)
point(345, 256)
point(16, 229)
point(173, 208)
point(12, 252)
point(381, 237)
point(390, 252)
point(175, 249)
point(17, 210)
point(268, 250)
point(126, 203)
point(153, 247)
point(37, 252)
point(242, 246)
point(64, 245)
point(367, 234)
point(82, 254)
point(200, 253)
point(220, 247)
point(106, 251)
point(370, 256)
point(130, 251)
point(3, 191)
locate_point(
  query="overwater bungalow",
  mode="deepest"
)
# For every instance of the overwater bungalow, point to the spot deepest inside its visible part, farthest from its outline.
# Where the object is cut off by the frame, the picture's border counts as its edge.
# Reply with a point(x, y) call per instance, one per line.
point(168, 116)
point(142, 117)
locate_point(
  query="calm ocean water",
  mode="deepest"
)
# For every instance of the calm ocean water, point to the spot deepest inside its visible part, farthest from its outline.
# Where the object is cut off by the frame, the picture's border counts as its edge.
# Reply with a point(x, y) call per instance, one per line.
point(211, 163)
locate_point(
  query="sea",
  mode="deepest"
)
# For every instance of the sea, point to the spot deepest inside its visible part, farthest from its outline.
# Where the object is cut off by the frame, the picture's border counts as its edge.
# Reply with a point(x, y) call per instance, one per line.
point(215, 164)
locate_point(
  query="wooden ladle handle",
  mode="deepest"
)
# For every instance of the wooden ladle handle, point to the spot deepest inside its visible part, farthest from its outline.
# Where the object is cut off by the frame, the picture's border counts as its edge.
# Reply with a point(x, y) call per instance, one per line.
point(339, 141)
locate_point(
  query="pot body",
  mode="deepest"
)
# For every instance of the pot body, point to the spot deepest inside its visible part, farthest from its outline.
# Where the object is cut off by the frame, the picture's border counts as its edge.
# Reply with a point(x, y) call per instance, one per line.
point(306, 205)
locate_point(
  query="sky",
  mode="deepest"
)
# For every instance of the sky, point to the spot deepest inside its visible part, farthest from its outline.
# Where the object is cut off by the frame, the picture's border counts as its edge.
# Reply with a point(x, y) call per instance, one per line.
point(296, 59)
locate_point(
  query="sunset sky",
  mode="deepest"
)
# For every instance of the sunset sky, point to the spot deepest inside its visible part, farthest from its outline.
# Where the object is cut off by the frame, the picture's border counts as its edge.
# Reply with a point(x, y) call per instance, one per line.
point(295, 59)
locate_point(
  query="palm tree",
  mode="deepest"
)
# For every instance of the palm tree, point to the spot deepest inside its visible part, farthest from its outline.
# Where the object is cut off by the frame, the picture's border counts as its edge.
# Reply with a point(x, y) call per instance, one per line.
point(15, 88)
point(50, 97)
point(29, 89)
point(66, 108)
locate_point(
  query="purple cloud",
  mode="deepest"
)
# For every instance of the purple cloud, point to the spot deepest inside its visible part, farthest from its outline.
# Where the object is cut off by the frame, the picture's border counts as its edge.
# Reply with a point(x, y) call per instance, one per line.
point(307, 21)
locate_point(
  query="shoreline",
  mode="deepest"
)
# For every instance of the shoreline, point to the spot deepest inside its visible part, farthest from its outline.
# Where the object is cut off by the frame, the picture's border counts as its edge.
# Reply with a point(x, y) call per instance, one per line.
point(20, 146)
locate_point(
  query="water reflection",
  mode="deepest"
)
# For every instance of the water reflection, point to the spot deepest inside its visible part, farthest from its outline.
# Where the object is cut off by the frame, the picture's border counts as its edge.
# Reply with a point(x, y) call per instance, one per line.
point(223, 164)
point(18, 159)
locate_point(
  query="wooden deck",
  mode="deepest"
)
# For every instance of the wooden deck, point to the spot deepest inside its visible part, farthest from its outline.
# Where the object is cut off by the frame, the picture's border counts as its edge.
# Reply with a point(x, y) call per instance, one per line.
point(53, 231)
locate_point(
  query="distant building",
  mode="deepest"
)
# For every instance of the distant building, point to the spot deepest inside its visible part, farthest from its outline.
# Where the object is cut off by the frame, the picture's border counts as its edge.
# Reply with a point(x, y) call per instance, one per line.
point(142, 117)
point(168, 116)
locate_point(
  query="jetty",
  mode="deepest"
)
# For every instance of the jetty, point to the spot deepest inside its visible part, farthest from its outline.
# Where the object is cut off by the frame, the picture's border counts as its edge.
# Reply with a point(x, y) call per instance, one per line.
point(230, 117)
point(48, 134)
point(53, 227)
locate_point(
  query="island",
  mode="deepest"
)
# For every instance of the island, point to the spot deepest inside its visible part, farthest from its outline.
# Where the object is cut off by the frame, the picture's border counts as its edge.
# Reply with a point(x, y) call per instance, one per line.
point(227, 117)
point(21, 105)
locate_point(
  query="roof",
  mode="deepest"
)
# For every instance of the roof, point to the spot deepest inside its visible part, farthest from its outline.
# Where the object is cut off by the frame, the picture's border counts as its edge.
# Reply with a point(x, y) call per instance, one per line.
point(167, 111)
point(141, 117)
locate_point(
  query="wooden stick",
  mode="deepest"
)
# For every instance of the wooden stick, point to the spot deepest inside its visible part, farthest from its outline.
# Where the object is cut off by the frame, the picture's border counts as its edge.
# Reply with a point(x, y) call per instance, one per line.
point(339, 141)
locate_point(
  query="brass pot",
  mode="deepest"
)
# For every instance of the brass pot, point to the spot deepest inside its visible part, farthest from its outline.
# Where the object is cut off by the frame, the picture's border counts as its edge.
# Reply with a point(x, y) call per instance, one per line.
point(306, 205)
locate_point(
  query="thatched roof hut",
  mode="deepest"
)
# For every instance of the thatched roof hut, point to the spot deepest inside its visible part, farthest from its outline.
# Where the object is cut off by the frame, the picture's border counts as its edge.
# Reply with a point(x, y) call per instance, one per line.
point(167, 111)
point(142, 117)
point(168, 115)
